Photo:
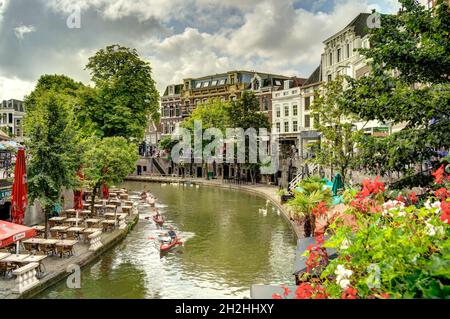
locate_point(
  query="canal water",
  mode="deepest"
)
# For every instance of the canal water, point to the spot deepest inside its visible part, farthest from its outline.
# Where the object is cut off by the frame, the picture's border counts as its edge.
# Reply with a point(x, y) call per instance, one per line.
point(228, 245)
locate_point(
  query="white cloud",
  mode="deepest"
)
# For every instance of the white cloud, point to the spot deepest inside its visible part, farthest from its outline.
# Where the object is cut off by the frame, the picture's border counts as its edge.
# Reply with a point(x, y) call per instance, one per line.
point(22, 30)
point(14, 88)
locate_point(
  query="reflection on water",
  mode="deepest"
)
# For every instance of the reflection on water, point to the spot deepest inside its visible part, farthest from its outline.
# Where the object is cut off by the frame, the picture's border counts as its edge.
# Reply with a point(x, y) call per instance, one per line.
point(227, 246)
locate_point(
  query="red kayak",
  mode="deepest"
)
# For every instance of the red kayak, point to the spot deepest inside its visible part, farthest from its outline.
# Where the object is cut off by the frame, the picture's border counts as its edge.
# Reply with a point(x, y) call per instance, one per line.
point(167, 246)
point(159, 221)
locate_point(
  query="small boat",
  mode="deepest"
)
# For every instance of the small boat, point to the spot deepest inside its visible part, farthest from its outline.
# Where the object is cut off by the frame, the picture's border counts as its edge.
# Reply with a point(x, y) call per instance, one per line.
point(158, 221)
point(166, 246)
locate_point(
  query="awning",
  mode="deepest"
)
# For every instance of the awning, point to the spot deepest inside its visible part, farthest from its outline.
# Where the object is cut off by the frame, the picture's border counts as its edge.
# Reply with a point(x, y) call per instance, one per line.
point(10, 233)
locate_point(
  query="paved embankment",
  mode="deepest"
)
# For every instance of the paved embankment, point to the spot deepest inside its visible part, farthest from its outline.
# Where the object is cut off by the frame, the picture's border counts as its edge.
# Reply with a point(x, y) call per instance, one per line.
point(266, 191)
point(56, 267)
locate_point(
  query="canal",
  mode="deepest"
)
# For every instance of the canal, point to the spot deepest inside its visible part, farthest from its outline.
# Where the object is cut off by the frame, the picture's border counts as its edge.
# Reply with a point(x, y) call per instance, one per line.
point(228, 245)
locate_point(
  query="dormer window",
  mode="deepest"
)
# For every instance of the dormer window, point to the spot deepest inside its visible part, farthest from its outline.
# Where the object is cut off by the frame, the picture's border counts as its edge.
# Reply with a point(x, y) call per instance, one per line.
point(206, 84)
point(223, 82)
point(255, 85)
point(277, 82)
point(198, 85)
point(214, 83)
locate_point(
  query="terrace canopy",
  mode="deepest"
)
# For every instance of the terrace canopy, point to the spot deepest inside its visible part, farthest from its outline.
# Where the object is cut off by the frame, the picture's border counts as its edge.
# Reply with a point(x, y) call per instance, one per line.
point(11, 233)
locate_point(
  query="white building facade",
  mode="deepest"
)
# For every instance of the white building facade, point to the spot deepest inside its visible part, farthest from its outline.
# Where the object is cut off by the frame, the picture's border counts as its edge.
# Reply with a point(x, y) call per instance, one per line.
point(12, 113)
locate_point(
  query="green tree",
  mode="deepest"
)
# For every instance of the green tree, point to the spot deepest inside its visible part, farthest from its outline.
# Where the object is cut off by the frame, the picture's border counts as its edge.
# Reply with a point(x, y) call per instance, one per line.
point(337, 127)
point(244, 113)
point(51, 146)
point(124, 94)
point(409, 85)
point(108, 160)
point(57, 83)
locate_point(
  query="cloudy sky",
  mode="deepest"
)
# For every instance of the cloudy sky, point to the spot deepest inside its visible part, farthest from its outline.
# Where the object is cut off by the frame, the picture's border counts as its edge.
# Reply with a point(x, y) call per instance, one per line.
point(180, 38)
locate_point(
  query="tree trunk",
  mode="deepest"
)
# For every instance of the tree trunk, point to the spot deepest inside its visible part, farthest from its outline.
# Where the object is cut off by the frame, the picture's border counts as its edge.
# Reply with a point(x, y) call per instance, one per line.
point(309, 226)
point(46, 223)
point(94, 194)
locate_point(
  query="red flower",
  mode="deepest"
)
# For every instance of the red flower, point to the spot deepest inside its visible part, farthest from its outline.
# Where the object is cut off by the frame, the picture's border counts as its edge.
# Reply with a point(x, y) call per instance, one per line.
point(413, 198)
point(287, 291)
point(442, 193)
point(320, 210)
point(385, 296)
point(400, 198)
point(276, 296)
point(350, 293)
point(445, 215)
point(439, 175)
point(304, 291)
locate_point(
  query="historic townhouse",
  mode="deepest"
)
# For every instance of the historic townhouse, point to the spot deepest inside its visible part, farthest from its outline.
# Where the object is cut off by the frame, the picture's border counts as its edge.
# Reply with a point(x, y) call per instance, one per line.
point(171, 109)
point(12, 113)
point(287, 114)
point(341, 57)
point(263, 85)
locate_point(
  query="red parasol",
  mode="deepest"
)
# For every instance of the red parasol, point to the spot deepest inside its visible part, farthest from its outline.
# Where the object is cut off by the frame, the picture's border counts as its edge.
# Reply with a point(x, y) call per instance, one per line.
point(78, 194)
point(10, 233)
point(105, 191)
point(19, 199)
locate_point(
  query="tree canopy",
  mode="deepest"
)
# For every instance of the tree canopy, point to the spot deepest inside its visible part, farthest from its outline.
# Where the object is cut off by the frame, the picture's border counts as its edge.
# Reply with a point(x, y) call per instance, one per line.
point(124, 94)
point(409, 85)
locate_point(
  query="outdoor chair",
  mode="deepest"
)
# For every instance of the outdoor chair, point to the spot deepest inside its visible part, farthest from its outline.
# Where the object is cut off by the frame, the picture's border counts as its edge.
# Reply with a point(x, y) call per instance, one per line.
point(62, 250)
point(6, 268)
point(71, 235)
point(54, 234)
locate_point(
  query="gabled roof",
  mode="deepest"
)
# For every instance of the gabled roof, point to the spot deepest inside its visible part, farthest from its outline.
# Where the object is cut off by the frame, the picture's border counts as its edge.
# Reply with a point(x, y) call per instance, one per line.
point(315, 77)
point(178, 88)
point(359, 25)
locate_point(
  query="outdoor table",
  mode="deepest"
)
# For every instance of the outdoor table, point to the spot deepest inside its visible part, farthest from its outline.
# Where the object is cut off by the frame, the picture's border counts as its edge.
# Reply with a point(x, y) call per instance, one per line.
point(123, 196)
point(86, 205)
point(39, 229)
point(14, 258)
point(128, 203)
point(114, 202)
point(110, 216)
point(66, 246)
point(60, 230)
point(73, 220)
point(110, 208)
point(4, 255)
point(84, 212)
point(127, 209)
point(76, 230)
point(108, 224)
point(98, 208)
point(56, 220)
point(92, 221)
point(70, 212)
point(112, 194)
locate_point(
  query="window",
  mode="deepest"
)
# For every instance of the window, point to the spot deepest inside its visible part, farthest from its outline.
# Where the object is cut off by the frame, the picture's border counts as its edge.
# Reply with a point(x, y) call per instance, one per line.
point(205, 100)
point(330, 78)
point(339, 55)
point(307, 121)
point(214, 83)
point(278, 127)
point(294, 110)
point(307, 103)
point(286, 127)
point(198, 85)
point(286, 110)
point(294, 126)
point(255, 85)
point(206, 84)
point(171, 90)
point(277, 94)
point(330, 58)
point(348, 50)
point(277, 82)
point(285, 93)
point(278, 112)
point(232, 80)
point(265, 103)
point(223, 82)
point(10, 118)
point(294, 91)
